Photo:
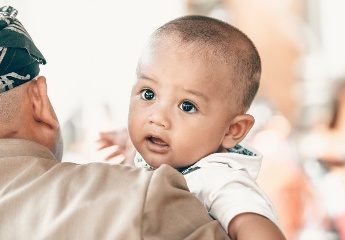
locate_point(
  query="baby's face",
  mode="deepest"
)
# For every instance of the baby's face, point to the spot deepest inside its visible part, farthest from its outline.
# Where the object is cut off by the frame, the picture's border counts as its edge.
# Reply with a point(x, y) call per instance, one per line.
point(180, 108)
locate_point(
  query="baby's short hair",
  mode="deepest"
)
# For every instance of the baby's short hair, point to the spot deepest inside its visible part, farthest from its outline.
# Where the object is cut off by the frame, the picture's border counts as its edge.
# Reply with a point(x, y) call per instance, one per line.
point(226, 41)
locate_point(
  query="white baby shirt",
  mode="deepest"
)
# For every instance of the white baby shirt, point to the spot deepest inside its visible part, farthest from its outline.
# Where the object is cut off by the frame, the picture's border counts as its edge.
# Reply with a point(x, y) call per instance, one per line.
point(225, 184)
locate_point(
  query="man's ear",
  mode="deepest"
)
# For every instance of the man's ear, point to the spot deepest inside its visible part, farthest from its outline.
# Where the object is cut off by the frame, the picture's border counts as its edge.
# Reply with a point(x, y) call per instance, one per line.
point(43, 110)
point(238, 130)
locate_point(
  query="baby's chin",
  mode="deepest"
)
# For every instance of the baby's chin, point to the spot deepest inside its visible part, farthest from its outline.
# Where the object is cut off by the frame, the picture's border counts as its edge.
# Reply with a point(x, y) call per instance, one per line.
point(156, 160)
point(157, 164)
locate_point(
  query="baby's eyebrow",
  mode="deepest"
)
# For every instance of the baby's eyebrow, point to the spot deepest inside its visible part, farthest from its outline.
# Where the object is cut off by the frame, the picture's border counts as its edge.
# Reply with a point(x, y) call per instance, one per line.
point(197, 94)
point(143, 77)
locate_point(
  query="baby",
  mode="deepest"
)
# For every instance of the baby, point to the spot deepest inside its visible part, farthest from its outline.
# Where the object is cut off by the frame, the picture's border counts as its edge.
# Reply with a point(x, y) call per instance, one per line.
point(196, 79)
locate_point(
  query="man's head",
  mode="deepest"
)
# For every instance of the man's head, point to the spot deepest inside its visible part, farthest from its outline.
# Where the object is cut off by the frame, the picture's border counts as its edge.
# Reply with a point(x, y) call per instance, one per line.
point(26, 112)
point(195, 80)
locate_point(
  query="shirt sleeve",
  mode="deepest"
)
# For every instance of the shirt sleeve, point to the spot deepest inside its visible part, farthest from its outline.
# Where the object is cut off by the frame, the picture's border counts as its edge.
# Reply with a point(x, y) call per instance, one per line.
point(230, 193)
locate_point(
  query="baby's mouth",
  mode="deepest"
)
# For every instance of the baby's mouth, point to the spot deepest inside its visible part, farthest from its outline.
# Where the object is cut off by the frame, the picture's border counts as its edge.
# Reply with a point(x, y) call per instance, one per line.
point(157, 141)
point(157, 145)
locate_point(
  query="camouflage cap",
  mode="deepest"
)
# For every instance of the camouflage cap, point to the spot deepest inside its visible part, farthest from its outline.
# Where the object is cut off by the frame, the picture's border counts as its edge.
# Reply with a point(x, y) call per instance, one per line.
point(19, 57)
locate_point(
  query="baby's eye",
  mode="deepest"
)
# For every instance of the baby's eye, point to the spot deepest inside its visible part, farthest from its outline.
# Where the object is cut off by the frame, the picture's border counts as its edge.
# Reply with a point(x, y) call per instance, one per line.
point(188, 107)
point(147, 94)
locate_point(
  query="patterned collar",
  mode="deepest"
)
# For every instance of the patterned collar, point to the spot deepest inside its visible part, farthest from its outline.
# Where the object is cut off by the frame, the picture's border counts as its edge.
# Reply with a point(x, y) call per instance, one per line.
point(140, 162)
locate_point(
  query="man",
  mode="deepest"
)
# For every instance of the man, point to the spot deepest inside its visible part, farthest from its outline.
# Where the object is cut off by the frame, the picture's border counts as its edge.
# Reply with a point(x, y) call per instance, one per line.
point(42, 198)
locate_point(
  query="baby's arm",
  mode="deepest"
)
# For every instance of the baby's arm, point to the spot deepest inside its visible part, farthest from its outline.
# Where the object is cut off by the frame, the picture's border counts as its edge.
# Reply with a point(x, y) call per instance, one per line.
point(253, 226)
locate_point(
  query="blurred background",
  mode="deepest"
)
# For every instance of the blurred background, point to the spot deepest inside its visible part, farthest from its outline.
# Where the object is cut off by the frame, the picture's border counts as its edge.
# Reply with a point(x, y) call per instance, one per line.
point(92, 48)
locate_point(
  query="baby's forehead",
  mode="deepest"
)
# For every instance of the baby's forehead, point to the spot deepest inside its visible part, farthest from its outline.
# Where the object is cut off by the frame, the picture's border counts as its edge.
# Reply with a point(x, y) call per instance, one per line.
point(211, 65)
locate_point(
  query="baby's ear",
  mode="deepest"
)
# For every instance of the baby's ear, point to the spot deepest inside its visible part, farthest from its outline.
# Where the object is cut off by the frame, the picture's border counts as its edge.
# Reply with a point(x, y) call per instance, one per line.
point(238, 130)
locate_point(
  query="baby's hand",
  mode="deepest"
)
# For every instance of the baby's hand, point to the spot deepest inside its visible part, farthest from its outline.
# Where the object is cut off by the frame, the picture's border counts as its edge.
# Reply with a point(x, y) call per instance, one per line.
point(117, 145)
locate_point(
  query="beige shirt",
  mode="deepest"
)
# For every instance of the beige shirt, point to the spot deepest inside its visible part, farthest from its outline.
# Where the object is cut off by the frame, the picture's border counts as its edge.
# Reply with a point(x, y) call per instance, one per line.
point(41, 198)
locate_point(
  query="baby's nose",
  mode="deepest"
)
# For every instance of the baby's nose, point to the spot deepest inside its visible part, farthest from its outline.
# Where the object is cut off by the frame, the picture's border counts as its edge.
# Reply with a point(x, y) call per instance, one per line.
point(160, 117)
